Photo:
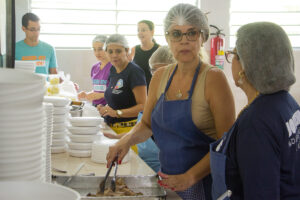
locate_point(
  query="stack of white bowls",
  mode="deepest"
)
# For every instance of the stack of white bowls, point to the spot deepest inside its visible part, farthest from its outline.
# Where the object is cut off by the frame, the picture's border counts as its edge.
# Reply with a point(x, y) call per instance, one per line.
point(28, 66)
point(48, 108)
point(84, 131)
point(21, 125)
point(60, 119)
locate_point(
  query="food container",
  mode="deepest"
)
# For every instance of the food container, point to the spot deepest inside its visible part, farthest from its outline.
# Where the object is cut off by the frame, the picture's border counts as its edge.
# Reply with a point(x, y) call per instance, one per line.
point(147, 185)
point(76, 108)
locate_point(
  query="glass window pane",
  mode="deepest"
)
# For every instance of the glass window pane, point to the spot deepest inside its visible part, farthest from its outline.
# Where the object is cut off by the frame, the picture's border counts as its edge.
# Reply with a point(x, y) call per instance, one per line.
point(75, 4)
point(68, 40)
point(150, 5)
point(75, 16)
point(126, 17)
point(279, 18)
point(73, 28)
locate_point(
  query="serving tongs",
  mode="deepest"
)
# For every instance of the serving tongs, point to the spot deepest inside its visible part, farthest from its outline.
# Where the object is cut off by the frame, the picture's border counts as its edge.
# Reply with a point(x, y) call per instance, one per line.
point(113, 181)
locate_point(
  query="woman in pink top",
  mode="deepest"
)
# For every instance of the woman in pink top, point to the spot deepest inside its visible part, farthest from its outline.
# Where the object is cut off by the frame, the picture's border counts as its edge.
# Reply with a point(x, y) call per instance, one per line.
point(99, 73)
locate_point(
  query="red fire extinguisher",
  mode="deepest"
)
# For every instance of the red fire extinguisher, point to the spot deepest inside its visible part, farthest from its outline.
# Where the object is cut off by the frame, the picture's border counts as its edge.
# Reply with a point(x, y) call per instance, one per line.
point(217, 48)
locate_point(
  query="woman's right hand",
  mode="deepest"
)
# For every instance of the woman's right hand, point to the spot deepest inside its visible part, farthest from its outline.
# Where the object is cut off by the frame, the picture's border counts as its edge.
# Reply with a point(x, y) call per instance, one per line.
point(119, 149)
point(82, 95)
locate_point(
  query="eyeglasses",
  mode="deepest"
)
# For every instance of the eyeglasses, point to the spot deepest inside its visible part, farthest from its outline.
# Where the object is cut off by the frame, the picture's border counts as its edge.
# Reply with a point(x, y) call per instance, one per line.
point(33, 29)
point(117, 51)
point(229, 56)
point(176, 35)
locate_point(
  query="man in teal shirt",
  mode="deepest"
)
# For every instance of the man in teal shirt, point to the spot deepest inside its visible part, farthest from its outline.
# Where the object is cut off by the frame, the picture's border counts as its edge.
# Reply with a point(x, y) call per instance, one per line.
point(32, 49)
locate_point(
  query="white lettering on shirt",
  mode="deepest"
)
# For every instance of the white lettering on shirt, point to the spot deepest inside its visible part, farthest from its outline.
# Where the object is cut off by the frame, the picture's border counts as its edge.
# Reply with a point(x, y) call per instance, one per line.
point(293, 123)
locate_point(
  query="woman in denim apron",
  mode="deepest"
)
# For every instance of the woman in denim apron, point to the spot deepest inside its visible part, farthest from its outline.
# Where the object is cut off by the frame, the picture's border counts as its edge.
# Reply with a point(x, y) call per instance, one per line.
point(189, 105)
point(259, 157)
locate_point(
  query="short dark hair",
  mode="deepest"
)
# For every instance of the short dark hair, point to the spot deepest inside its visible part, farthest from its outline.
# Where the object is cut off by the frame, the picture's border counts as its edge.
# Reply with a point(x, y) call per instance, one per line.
point(149, 23)
point(29, 16)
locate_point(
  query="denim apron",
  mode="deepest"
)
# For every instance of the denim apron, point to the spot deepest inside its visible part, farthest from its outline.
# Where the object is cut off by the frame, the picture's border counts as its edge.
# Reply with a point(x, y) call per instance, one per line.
point(218, 157)
point(181, 143)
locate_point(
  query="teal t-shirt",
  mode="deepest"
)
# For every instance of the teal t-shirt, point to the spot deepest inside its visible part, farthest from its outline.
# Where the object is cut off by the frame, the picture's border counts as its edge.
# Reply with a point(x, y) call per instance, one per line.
point(43, 54)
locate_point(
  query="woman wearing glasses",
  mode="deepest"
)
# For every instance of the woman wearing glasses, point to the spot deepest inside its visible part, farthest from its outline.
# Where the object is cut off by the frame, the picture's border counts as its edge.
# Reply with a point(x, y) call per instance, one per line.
point(259, 157)
point(189, 106)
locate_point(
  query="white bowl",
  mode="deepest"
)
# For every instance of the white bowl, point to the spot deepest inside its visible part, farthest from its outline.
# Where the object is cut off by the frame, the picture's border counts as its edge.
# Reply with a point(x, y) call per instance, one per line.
point(59, 134)
point(59, 127)
point(59, 118)
point(36, 191)
point(58, 142)
point(28, 98)
point(58, 149)
point(57, 101)
point(82, 138)
point(10, 77)
point(22, 173)
point(84, 130)
point(80, 153)
point(28, 112)
point(61, 110)
point(80, 146)
point(86, 121)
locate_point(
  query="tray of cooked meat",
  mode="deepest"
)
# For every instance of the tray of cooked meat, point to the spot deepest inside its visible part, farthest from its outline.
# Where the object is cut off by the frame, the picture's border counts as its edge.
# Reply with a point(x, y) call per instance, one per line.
point(127, 187)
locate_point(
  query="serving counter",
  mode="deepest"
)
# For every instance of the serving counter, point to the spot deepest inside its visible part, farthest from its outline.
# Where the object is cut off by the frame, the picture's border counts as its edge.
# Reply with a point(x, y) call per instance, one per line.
point(135, 166)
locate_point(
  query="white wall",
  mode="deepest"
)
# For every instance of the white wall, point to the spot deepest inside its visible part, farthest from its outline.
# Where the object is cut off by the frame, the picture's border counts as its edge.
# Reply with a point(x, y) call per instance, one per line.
point(79, 62)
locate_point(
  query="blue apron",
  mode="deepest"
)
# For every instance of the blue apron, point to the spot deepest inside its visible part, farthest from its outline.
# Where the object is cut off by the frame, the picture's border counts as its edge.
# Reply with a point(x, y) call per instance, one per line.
point(218, 157)
point(181, 143)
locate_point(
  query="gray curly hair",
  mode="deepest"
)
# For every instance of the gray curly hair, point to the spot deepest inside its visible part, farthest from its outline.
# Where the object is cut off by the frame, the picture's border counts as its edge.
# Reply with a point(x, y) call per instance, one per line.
point(266, 55)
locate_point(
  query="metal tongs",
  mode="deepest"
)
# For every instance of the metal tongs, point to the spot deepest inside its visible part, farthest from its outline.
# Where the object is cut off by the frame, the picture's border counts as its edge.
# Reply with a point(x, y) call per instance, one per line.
point(113, 181)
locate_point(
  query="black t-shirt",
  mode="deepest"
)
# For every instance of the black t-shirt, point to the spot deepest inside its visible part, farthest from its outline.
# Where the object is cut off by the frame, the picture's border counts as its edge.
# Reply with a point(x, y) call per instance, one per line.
point(118, 94)
point(141, 58)
point(264, 151)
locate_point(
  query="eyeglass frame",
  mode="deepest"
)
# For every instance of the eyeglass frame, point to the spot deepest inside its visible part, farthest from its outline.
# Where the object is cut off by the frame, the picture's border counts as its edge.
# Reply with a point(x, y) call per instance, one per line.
point(33, 30)
point(227, 53)
point(167, 33)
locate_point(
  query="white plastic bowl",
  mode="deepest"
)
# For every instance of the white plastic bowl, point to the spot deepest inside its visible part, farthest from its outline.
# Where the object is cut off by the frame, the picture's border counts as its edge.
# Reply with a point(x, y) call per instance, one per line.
point(59, 127)
point(57, 101)
point(59, 118)
point(61, 110)
point(80, 146)
point(84, 130)
point(58, 142)
point(82, 138)
point(59, 134)
point(80, 153)
point(36, 191)
point(86, 121)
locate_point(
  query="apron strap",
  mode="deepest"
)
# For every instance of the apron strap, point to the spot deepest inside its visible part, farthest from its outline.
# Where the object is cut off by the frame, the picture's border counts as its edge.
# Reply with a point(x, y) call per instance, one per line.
point(193, 82)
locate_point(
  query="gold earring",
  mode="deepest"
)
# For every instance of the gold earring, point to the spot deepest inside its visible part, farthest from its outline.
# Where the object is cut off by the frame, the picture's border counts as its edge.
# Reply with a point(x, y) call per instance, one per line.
point(241, 75)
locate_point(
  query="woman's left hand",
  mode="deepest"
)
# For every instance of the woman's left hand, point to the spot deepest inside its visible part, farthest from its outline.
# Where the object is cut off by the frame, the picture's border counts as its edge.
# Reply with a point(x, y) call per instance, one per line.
point(178, 182)
point(106, 111)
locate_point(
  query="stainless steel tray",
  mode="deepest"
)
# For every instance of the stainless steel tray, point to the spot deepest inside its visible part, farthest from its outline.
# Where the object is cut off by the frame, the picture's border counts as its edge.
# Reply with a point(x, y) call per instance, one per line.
point(89, 184)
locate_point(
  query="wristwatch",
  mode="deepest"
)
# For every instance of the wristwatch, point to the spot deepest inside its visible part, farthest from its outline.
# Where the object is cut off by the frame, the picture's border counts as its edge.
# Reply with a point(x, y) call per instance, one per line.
point(119, 113)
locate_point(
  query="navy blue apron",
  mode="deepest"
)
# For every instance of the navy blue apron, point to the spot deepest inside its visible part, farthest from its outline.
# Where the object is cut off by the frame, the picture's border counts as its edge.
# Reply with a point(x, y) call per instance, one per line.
point(181, 143)
point(218, 157)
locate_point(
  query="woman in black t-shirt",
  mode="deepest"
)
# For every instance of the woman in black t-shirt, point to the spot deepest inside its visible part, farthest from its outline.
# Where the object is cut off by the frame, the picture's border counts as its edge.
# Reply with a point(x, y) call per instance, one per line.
point(142, 53)
point(126, 92)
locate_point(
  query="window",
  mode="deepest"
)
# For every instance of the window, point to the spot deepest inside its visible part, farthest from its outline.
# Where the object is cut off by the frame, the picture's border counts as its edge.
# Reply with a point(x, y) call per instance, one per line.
point(74, 23)
point(285, 13)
